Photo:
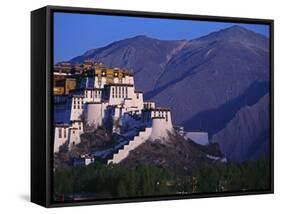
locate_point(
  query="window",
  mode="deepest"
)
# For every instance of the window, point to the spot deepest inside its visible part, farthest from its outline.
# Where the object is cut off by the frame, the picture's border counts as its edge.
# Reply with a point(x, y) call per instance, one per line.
point(64, 132)
point(122, 92)
point(103, 72)
point(126, 91)
point(137, 95)
point(60, 133)
point(113, 92)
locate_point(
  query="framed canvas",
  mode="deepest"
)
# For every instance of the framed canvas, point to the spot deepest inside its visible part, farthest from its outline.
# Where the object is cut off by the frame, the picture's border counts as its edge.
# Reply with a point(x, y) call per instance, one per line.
point(131, 106)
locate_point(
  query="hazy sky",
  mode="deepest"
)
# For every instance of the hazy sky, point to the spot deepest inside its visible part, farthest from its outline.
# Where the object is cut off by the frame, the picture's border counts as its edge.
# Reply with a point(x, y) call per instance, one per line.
point(76, 33)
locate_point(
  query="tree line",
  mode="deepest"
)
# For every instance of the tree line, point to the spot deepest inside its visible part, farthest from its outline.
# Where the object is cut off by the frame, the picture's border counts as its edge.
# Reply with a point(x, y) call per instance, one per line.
point(113, 181)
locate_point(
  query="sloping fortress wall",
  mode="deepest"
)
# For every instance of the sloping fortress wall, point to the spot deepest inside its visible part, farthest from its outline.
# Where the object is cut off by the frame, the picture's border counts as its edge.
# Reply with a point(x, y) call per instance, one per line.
point(94, 113)
point(109, 94)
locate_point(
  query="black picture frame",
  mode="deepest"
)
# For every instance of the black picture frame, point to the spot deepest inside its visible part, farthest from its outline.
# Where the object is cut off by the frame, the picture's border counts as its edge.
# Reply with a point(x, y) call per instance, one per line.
point(41, 102)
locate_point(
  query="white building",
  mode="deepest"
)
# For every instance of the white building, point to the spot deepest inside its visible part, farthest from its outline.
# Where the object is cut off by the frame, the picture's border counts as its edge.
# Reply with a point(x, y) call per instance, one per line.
point(201, 138)
point(111, 97)
point(61, 135)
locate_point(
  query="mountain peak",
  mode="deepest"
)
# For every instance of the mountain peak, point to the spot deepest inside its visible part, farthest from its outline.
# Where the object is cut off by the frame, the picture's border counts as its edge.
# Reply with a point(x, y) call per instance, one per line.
point(238, 34)
point(239, 31)
point(141, 37)
point(235, 28)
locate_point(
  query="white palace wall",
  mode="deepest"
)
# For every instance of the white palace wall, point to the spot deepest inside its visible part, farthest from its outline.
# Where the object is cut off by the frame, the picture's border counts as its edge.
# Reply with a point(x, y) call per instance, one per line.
point(120, 101)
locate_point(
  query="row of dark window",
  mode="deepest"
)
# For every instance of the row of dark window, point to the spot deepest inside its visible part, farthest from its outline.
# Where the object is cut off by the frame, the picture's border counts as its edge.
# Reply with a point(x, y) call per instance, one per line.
point(63, 131)
point(147, 105)
point(77, 104)
point(103, 73)
point(119, 92)
point(95, 94)
point(164, 114)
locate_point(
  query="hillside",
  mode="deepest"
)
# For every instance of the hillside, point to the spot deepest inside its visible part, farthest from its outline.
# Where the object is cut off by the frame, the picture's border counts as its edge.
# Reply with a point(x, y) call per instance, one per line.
point(183, 157)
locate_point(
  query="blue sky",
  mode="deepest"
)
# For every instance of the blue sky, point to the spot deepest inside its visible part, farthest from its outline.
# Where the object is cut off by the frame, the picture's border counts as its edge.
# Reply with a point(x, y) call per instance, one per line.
point(76, 33)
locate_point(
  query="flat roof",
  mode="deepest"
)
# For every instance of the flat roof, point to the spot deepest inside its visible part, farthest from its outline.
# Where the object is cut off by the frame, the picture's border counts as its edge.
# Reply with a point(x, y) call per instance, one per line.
point(76, 121)
point(78, 95)
point(62, 125)
point(157, 109)
point(119, 84)
point(98, 89)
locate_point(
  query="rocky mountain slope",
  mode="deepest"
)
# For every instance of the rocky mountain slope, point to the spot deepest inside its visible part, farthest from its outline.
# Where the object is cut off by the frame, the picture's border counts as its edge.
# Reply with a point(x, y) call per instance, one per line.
point(246, 136)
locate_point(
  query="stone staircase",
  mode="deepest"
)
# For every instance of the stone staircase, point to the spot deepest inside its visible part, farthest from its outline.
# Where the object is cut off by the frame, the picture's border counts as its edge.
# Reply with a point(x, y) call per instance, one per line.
point(123, 152)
